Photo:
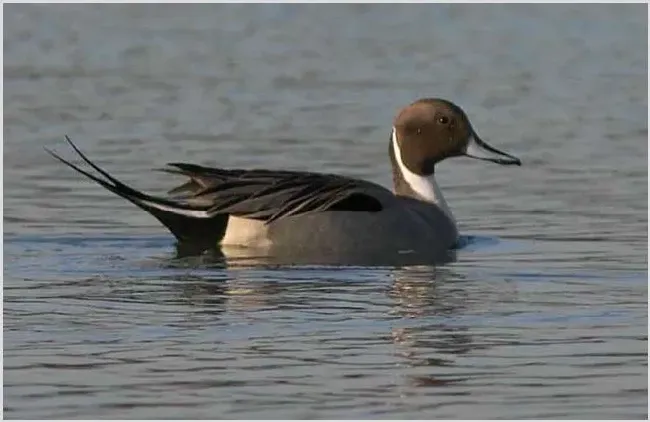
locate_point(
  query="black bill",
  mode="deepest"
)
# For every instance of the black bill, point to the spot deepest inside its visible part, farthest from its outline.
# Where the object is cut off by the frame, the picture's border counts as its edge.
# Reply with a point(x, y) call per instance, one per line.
point(476, 148)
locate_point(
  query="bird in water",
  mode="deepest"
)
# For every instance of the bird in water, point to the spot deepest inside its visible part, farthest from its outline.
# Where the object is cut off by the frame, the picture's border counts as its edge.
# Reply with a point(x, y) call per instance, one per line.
point(319, 218)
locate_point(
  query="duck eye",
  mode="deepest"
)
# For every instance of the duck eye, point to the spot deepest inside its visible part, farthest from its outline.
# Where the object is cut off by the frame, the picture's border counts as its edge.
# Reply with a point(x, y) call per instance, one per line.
point(443, 120)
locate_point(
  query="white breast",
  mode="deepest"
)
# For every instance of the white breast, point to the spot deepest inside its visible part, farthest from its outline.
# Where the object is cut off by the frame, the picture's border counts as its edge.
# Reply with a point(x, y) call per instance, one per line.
point(425, 186)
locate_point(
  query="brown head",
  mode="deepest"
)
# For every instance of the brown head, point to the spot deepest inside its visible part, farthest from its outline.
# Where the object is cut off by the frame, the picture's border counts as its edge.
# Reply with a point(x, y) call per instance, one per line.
point(431, 129)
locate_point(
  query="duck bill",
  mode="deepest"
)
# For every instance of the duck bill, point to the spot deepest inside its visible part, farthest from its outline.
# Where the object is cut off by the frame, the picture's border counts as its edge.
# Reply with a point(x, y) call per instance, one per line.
point(480, 150)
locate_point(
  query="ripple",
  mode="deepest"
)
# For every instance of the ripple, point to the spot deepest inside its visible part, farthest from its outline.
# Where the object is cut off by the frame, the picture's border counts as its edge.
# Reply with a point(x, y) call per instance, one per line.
point(543, 313)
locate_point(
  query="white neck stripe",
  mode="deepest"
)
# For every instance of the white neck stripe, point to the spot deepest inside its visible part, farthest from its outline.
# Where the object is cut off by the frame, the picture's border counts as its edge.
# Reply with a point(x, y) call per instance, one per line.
point(425, 186)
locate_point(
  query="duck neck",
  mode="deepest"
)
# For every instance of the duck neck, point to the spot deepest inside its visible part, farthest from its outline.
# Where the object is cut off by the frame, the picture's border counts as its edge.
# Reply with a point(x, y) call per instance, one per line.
point(407, 183)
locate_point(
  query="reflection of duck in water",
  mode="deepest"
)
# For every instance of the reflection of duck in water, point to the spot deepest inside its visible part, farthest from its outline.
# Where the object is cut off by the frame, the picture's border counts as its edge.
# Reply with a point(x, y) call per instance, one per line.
point(304, 217)
point(428, 340)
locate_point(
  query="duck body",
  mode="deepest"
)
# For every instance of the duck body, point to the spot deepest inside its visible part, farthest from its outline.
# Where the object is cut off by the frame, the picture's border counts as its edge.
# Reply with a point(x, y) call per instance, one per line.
point(399, 229)
point(405, 230)
point(349, 220)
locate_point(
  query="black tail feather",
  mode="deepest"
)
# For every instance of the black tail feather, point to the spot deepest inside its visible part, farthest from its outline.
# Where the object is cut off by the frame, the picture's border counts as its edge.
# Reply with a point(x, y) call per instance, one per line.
point(200, 232)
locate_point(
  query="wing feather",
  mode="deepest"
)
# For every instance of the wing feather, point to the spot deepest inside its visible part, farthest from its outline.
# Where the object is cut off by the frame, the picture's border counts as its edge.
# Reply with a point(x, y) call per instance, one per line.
point(270, 195)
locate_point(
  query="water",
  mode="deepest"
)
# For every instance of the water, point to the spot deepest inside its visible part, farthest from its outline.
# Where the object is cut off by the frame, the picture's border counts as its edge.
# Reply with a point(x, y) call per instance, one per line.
point(543, 313)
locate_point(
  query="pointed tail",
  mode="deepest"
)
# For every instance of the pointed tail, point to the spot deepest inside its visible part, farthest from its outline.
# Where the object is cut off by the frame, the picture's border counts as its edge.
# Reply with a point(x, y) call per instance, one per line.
point(189, 224)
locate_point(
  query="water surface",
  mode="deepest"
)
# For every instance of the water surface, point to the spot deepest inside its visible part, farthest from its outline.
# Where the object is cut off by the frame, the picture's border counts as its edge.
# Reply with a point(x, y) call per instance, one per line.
point(543, 314)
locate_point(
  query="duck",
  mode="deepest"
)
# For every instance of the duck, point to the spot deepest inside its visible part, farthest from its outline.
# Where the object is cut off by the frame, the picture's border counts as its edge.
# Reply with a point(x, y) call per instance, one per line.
point(303, 217)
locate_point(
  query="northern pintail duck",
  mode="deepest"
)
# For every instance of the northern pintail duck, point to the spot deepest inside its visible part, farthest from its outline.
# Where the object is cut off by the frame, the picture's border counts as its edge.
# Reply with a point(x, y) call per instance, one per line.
point(306, 217)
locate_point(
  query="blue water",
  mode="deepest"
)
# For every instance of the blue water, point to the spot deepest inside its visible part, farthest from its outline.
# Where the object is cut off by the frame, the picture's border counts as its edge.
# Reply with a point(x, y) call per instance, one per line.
point(541, 313)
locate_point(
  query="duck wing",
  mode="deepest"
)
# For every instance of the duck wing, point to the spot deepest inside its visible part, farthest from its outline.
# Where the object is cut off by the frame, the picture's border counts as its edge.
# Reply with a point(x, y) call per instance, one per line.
point(270, 195)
